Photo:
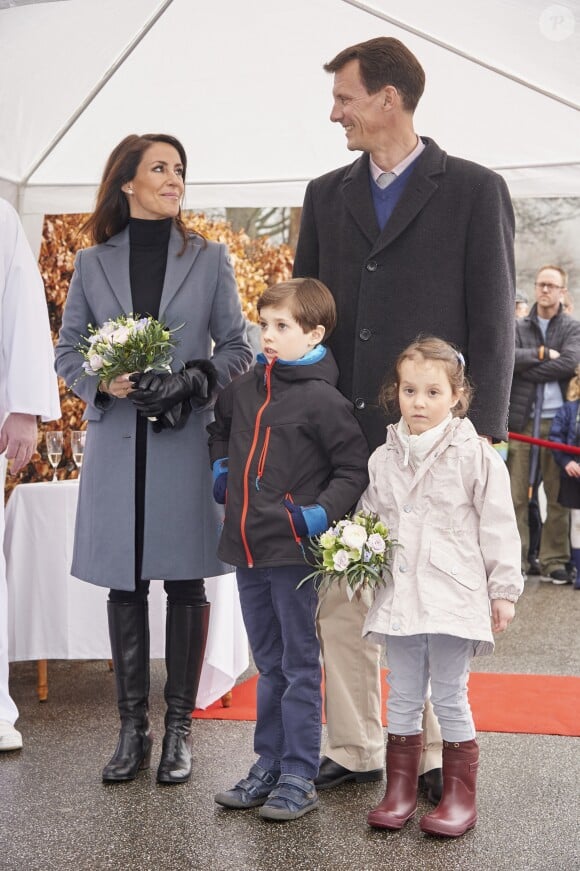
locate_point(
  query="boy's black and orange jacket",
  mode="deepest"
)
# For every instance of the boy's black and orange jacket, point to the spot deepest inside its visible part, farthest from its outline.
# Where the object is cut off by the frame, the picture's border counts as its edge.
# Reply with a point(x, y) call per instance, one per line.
point(288, 434)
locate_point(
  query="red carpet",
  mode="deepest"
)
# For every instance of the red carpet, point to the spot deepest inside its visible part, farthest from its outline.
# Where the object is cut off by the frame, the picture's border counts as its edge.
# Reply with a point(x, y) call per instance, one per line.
point(529, 703)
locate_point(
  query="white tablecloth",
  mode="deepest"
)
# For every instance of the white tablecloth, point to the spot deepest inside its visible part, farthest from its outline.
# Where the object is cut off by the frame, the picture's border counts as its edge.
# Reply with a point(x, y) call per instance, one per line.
point(52, 615)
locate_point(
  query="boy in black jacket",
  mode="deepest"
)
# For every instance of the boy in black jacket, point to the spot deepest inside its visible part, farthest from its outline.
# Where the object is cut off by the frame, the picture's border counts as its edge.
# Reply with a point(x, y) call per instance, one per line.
point(288, 458)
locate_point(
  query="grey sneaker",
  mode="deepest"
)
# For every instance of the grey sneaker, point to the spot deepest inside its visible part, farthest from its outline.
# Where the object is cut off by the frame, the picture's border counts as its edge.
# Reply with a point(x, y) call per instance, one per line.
point(292, 797)
point(251, 791)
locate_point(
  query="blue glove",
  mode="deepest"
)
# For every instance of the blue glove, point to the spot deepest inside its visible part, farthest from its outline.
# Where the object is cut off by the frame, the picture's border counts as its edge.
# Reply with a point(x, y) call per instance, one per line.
point(220, 480)
point(308, 520)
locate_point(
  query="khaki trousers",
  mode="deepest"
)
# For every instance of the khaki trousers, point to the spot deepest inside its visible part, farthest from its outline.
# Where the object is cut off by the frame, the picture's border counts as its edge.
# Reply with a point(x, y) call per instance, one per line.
point(555, 542)
point(353, 687)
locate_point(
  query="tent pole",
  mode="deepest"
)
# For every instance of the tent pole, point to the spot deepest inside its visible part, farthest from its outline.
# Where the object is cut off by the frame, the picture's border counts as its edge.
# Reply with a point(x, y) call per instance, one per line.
point(97, 89)
point(378, 13)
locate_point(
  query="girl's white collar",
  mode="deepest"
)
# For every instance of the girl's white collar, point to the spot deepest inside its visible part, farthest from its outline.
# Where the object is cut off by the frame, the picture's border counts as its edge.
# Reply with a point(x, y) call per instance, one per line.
point(417, 447)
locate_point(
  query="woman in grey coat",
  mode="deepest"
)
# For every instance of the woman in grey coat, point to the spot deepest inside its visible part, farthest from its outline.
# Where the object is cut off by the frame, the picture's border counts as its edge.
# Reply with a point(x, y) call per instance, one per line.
point(145, 506)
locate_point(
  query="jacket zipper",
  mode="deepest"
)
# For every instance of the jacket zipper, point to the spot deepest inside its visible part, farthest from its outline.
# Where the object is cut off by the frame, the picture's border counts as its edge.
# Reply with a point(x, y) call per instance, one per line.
point(263, 454)
point(249, 557)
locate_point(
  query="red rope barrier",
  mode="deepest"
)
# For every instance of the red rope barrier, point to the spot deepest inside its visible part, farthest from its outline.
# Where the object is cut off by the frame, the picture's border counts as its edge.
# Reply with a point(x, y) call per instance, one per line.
point(567, 449)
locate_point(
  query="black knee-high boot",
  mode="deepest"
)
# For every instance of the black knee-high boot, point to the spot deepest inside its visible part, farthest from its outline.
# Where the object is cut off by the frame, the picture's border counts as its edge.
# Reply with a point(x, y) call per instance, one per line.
point(186, 636)
point(129, 632)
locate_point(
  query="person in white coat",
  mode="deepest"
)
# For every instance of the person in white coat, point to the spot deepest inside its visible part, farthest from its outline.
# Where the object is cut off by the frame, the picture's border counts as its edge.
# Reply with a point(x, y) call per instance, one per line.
point(444, 494)
point(28, 387)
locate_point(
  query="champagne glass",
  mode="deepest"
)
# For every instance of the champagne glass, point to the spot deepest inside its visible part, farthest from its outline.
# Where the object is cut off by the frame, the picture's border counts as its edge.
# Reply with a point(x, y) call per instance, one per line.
point(77, 443)
point(54, 449)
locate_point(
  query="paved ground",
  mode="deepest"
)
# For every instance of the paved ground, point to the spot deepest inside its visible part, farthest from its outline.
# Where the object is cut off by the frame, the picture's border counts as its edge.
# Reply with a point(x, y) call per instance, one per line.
point(56, 814)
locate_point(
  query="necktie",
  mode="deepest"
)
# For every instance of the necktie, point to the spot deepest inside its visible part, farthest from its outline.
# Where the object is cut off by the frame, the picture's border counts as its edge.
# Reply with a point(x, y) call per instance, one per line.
point(385, 179)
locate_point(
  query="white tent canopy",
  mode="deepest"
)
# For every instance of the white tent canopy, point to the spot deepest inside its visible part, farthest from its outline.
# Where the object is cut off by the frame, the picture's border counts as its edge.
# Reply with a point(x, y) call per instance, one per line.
point(241, 84)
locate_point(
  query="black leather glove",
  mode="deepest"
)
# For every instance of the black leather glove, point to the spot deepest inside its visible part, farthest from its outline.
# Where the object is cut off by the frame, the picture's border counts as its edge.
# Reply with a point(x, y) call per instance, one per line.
point(173, 418)
point(158, 392)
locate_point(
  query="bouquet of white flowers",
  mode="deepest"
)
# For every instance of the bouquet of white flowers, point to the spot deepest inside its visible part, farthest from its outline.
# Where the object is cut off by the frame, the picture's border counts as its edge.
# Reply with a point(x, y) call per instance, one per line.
point(127, 344)
point(357, 549)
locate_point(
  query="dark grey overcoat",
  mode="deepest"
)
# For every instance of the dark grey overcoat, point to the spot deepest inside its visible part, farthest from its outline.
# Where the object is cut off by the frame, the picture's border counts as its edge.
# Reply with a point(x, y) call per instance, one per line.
point(182, 522)
point(443, 265)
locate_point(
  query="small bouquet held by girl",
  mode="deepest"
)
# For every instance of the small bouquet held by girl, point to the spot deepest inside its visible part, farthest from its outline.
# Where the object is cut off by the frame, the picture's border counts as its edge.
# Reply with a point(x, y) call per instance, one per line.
point(128, 343)
point(357, 548)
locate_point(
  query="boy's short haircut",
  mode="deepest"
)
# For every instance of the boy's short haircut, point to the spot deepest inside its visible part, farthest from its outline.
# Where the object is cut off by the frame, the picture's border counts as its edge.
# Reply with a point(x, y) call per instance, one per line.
point(309, 300)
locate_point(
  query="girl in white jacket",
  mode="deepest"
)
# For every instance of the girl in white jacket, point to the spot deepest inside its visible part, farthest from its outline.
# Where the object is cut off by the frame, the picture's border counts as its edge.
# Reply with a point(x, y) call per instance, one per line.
point(444, 493)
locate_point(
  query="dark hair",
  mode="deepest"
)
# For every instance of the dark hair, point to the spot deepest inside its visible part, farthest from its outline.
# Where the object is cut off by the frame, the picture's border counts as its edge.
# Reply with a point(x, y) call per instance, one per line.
point(431, 348)
point(385, 61)
point(111, 214)
point(309, 300)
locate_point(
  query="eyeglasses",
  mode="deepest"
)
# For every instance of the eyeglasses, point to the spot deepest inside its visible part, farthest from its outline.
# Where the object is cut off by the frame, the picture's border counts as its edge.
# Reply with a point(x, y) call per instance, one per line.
point(540, 284)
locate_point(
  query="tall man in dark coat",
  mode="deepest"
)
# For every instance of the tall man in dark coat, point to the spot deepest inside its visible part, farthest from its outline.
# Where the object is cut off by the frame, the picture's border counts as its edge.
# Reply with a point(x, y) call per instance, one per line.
point(409, 240)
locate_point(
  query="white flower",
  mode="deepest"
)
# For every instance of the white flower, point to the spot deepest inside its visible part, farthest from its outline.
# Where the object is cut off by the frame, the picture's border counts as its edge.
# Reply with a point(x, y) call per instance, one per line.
point(340, 560)
point(327, 539)
point(107, 328)
point(96, 362)
point(120, 336)
point(376, 543)
point(354, 536)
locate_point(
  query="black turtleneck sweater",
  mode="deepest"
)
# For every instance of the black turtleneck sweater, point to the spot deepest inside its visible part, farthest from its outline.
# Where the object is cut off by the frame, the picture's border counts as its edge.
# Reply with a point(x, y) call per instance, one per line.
point(148, 245)
point(148, 241)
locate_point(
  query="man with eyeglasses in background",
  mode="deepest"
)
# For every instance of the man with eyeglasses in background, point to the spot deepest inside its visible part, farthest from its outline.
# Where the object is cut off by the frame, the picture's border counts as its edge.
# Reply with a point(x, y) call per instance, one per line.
point(547, 353)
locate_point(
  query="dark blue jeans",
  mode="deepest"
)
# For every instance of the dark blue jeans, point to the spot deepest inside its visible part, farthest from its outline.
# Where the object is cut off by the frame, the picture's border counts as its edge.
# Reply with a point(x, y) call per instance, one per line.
point(281, 626)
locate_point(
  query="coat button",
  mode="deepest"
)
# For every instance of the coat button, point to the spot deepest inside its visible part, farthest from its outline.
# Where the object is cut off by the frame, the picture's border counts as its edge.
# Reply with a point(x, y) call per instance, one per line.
point(359, 402)
point(454, 572)
point(407, 509)
point(396, 626)
point(402, 569)
point(372, 266)
point(365, 334)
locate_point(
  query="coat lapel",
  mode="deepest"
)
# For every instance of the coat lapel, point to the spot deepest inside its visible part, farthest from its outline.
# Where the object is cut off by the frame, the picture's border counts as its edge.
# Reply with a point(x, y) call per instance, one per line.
point(178, 266)
point(356, 189)
point(114, 259)
point(419, 190)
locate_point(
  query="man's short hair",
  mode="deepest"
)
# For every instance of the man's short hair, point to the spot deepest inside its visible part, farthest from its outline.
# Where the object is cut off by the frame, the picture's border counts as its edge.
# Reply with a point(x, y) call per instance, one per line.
point(559, 269)
point(385, 61)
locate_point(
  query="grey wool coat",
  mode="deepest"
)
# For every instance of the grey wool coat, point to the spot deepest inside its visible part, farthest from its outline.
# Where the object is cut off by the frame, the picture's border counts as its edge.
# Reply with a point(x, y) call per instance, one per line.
point(182, 522)
point(443, 265)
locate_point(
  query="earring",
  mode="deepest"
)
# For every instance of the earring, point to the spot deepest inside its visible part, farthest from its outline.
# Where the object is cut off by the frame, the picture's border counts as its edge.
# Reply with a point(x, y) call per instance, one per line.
point(129, 190)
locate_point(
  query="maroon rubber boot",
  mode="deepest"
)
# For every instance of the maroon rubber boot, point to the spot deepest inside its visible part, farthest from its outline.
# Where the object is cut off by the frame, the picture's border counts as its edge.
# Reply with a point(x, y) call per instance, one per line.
point(456, 812)
point(400, 801)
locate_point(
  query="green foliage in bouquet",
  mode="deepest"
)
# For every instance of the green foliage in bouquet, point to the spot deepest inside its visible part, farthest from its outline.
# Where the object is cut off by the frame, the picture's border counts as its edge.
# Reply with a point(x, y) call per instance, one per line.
point(357, 549)
point(127, 343)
